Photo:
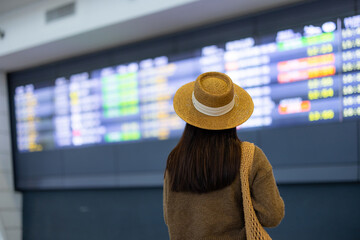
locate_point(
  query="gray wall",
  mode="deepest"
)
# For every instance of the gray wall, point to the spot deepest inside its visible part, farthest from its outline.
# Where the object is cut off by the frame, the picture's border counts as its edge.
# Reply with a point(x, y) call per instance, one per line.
point(320, 211)
point(10, 202)
point(323, 211)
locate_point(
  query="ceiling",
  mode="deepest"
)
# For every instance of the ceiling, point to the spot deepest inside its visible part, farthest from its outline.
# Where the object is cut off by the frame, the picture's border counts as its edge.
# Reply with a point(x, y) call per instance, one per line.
point(111, 36)
point(10, 5)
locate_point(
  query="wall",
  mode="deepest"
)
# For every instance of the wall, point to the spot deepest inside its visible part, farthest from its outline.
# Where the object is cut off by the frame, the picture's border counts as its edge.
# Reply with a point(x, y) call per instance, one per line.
point(30, 20)
point(321, 211)
point(10, 202)
point(98, 25)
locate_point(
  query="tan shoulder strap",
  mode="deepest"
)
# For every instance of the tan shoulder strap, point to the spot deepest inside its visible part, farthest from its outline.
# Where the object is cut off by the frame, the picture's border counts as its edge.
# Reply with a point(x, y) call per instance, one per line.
point(253, 228)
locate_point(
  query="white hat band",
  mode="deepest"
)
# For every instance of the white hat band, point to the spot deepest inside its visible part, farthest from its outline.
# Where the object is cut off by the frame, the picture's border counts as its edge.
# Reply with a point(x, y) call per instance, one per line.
point(210, 111)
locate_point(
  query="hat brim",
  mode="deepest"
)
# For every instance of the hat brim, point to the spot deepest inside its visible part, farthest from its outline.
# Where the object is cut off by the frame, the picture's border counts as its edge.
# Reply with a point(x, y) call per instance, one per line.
point(185, 109)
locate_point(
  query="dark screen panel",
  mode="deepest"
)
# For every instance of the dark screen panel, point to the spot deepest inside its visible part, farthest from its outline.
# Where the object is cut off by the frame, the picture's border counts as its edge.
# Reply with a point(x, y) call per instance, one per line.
point(150, 156)
point(317, 173)
point(88, 161)
point(358, 152)
point(41, 164)
point(311, 146)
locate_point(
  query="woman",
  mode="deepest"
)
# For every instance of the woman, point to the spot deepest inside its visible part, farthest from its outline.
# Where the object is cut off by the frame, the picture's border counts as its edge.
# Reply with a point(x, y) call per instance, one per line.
point(203, 196)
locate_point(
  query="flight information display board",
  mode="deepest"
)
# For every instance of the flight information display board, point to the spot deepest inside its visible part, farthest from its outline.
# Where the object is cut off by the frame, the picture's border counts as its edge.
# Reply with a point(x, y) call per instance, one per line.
point(295, 76)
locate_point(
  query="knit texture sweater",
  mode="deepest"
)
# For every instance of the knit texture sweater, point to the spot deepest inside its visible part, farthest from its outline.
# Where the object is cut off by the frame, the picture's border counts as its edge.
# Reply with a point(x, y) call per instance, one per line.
point(219, 214)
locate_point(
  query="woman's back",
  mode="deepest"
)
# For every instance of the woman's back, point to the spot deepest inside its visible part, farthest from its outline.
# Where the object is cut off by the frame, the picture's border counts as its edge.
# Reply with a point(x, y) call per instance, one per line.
point(213, 215)
point(219, 214)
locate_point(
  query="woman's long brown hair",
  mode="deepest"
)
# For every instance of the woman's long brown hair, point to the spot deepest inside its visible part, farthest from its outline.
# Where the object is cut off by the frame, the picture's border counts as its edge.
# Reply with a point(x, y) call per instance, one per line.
point(204, 160)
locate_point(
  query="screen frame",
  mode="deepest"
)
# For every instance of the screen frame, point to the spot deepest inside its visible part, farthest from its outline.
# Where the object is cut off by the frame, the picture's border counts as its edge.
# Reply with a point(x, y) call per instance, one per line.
point(167, 45)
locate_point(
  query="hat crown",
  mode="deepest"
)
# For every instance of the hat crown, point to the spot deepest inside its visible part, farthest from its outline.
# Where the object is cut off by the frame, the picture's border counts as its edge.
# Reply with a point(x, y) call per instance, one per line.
point(214, 89)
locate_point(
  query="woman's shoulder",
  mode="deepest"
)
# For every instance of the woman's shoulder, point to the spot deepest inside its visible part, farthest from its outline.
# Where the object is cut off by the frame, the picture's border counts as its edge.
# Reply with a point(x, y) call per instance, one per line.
point(261, 164)
point(258, 152)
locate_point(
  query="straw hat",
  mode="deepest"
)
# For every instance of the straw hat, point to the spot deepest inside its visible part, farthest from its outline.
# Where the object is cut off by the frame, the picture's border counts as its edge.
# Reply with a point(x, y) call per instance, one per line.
point(213, 102)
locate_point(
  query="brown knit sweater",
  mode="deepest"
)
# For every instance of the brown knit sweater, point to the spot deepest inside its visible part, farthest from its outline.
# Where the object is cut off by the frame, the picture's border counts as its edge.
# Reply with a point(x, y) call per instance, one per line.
point(219, 214)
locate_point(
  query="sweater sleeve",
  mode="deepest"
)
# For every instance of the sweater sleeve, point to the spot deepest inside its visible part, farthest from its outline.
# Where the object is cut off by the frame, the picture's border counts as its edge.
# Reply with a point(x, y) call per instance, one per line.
point(165, 187)
point(268, 204)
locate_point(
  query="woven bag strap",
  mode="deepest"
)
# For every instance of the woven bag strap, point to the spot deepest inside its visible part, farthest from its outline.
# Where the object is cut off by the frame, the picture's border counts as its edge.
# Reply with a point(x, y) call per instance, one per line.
point(253, 228)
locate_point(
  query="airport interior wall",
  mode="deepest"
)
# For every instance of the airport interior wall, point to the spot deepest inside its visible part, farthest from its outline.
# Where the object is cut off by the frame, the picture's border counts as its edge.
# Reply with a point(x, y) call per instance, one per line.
point(313, 210)
point(10, 201)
